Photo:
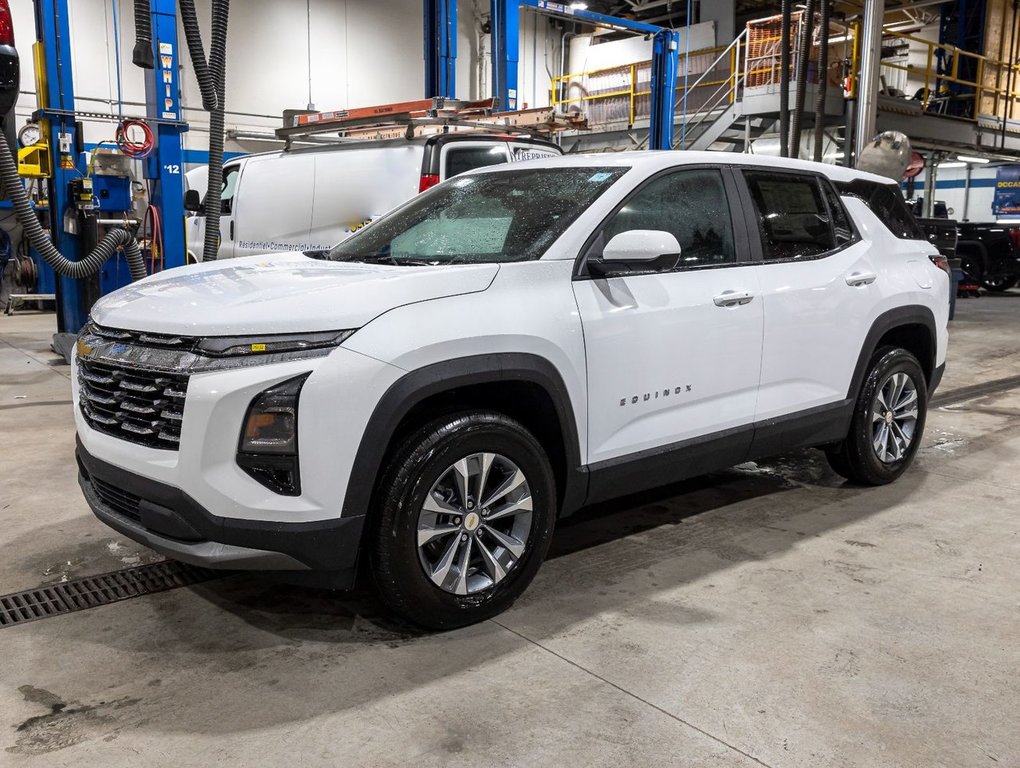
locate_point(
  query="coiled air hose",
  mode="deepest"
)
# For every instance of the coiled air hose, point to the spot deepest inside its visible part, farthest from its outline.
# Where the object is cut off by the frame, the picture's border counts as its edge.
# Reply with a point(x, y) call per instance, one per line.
point(211, 76)
point(84, 267)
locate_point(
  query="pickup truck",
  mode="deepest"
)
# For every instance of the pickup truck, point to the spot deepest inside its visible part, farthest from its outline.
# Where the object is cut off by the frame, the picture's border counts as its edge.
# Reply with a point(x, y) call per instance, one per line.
point(990, 253)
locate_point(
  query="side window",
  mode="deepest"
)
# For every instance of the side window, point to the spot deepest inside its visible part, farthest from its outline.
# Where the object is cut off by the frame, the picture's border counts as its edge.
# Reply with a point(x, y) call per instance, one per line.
point(792, 215)
point(691, 205)
point(886, 202)
point(461, 159)
point(841, 227)
point(230, 176)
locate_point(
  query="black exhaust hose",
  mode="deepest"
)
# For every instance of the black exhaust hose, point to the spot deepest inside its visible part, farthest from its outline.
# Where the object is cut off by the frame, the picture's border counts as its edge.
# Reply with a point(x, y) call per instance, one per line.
point(211, 76)
point(807, 19)
point(142, 55)
point(218, 72)
point(84, 267)
point(193, 36)
point(823, 82)
point(784, 80)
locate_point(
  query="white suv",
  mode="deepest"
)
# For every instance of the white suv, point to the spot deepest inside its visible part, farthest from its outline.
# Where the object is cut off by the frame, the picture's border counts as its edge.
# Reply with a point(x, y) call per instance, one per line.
point(500, 351)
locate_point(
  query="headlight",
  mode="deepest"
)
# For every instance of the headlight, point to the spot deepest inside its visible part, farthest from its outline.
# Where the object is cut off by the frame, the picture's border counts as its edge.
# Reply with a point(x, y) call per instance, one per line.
point(268, 446)
point(236, 346)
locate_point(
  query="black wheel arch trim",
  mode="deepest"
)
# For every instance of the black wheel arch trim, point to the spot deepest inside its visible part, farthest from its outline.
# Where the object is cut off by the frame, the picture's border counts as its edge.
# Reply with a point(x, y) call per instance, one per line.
point(888, 321)
point(417, 385)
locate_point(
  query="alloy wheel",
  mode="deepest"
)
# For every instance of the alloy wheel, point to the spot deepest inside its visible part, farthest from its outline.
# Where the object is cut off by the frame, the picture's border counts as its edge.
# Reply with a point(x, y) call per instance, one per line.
point(894, 417)
point(474, 525)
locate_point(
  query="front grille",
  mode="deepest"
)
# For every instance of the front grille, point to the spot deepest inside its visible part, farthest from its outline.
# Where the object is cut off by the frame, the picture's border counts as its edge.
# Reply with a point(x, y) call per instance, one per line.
point(117, 499)
point(143, 338)
point(141, 406)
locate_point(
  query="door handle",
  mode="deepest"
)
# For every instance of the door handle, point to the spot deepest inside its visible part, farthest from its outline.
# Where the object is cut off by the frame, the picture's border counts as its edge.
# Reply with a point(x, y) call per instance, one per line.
point(231, 230)
point(856, 279)
point(733, 298)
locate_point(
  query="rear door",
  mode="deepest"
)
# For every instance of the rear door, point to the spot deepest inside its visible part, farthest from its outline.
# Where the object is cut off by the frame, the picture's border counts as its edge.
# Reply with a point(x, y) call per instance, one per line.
point(526, 150)
point(457, 157)
point(818, 283)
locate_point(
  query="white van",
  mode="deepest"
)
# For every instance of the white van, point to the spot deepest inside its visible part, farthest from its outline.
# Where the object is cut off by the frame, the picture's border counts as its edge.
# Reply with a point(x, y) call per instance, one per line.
point(311, 199)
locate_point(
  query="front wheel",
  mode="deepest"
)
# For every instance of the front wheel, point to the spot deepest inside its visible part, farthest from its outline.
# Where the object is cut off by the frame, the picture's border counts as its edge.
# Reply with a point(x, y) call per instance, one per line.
point(887, 423)
point(463, 519)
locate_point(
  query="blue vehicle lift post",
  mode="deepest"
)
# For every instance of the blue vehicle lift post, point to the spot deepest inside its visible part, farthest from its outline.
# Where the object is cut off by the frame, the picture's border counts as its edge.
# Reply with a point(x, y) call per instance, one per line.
point(53, 31)
point(164, 167)
point(665, 55)
point(440, 48)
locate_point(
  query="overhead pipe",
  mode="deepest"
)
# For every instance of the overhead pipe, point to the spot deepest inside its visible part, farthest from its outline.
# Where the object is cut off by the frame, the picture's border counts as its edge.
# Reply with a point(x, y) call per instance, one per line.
point(823, 81)
point(807, 19)
point(784, 79)
point(868, 82)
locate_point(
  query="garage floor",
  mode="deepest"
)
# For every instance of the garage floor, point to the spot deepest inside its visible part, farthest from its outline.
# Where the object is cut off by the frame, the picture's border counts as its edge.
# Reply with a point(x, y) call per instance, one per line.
point(767, 615)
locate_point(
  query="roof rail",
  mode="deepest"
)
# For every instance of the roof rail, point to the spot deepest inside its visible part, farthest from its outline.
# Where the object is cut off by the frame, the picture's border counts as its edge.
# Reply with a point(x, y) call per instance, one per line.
point(408, 119)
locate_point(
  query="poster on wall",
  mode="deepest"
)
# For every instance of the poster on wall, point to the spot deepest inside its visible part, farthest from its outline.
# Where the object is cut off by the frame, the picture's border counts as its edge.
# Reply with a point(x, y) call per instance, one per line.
point(1007, 191)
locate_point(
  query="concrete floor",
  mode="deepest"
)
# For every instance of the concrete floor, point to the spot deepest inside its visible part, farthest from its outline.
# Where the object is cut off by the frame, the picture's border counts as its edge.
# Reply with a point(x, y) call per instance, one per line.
point(766, 615)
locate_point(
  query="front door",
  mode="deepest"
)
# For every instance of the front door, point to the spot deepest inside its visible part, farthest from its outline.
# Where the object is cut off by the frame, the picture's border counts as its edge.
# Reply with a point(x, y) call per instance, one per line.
point(674, 357)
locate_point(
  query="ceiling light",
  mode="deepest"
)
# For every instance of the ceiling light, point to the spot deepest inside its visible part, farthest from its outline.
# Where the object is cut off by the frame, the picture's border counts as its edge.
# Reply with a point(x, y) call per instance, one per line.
point(970, 159)
point(952, 164)
point(579, 6)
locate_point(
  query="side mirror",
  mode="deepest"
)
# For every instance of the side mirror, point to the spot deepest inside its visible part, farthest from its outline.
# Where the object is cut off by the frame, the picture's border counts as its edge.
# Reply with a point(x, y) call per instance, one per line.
point(636, 251)
point(193, 201)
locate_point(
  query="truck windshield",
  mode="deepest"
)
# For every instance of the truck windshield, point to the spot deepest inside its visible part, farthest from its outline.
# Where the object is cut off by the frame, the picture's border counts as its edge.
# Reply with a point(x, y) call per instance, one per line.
point(491, 217)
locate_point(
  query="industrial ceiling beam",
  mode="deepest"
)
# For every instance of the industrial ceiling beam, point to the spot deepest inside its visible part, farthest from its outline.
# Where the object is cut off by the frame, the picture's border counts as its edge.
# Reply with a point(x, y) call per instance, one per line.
point(665, 55)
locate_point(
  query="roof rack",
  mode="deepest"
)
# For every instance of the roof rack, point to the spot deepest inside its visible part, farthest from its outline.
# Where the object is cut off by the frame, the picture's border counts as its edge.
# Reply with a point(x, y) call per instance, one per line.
point(409, 119)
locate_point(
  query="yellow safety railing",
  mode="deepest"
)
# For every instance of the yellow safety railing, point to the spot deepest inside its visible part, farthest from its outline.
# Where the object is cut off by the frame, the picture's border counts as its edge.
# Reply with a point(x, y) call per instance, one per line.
point(932, 99)
point(629, 84)
point(563, 86)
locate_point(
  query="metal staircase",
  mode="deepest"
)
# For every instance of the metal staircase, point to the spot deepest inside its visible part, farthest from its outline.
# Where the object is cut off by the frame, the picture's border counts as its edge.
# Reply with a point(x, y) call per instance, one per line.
point(719, 122)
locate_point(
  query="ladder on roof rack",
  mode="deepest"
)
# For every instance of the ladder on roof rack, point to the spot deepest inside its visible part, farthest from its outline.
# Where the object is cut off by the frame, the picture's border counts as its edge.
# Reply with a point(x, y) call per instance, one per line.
point(427, 116)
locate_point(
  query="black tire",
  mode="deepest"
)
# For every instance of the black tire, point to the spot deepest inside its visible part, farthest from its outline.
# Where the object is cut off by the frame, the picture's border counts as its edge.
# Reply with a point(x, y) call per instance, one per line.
point(856, 458)
point(421, 461)
point(972, 265)
point(999, 284)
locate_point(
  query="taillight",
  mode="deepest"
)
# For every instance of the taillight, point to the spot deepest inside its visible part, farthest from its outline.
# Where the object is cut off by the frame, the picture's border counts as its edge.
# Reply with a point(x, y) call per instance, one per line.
point(6, 24)
point(428, 180)
point(1014, 235)
point(941, 262)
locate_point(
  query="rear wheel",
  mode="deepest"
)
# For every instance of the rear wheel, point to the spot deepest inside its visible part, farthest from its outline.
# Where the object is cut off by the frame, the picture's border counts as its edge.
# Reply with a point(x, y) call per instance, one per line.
point(1003, 283)
point(463, 520)
point(888, 420)
point(972, 266)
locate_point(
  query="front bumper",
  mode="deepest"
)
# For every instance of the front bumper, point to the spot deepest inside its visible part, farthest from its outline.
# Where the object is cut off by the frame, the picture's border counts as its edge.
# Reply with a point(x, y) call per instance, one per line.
point(169, 521)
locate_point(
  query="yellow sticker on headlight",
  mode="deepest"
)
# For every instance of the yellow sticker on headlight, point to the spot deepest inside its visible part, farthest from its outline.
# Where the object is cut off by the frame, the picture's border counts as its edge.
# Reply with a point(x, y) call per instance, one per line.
point(258, 347)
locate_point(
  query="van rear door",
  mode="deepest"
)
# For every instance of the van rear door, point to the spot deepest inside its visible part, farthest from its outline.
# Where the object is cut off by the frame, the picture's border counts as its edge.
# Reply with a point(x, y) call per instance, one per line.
point(524, 150)
point(457, 157)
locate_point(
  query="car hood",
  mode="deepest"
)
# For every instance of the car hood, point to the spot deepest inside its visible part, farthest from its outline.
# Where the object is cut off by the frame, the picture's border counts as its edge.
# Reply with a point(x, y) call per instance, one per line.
point(279, 293)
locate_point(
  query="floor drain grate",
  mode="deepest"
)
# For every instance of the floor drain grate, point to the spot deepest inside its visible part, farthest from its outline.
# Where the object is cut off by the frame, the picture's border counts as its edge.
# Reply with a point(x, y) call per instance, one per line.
point(93, 591)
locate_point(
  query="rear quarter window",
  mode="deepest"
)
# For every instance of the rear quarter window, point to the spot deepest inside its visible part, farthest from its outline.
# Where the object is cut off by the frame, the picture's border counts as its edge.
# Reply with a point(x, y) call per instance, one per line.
point(886, 202)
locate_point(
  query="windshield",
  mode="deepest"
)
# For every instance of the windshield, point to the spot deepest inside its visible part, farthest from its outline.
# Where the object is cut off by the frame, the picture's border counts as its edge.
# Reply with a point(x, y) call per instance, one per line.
point(492, 217)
